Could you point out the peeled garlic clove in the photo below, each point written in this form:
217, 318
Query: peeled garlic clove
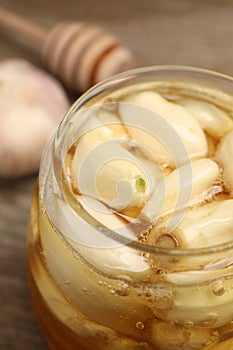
209, 225
215, 122
107, 115
110, 254
191, 278
169, 336
117, 261
93, 132
103, 169
149, 130
64, 264
210, 292
32, 103
224, 154
179, 188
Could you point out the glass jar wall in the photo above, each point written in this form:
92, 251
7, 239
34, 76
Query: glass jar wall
130, 242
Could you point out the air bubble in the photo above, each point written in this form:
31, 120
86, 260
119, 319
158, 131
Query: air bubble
140, 325
218, 288
139, 291
148, 292
188, 325
123, 289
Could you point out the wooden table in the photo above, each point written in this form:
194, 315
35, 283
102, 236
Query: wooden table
187, 32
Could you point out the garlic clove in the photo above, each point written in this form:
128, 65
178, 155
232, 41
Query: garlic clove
32, 103
114, 175
117, 261
109, 254
178, 189
214, 121
152, 131
208, 225
210, 292
224, 154
210, 285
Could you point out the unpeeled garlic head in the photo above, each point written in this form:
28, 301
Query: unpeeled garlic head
32, 103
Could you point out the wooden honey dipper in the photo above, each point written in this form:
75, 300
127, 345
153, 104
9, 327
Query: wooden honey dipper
78, 53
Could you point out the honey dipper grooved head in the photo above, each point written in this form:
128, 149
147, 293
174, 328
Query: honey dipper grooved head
81, 55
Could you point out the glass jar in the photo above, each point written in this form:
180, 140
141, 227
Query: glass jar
105, 275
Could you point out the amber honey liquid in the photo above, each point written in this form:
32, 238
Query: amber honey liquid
80, 307
65, 327
63, 324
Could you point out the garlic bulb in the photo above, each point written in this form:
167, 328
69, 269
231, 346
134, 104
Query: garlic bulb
32, 103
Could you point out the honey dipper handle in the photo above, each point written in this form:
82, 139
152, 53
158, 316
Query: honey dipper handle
21, 27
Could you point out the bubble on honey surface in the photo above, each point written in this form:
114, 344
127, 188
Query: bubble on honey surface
140, 325
123, 289
188, 325
75, 254
218, 288
139, 291
148, 292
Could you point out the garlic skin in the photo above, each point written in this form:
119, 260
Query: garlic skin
32, 103
146, 129
224, 154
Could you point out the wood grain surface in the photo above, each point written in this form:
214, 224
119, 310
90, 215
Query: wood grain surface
185, 32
